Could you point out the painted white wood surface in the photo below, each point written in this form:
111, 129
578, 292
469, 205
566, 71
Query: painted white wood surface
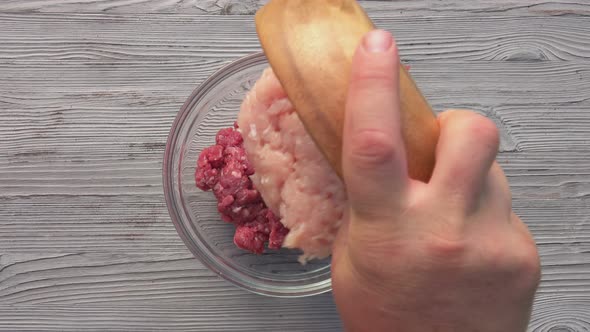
89, 89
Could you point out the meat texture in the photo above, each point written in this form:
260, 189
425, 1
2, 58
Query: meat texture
224, 169
295, 180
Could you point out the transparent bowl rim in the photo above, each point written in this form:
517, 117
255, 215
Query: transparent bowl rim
194, 244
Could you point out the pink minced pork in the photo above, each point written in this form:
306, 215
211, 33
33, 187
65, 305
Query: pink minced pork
292, 175
224, 169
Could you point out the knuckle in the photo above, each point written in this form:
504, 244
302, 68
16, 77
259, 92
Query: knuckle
527, 266
444, 241
485, 131
372, 148
475, 125
373, 78
375, 71
372, 81
446, 250
520, 265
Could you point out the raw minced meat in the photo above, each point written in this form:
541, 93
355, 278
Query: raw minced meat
224, 169
292, 175
271, 180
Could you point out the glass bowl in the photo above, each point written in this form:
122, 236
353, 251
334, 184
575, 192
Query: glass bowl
214, 105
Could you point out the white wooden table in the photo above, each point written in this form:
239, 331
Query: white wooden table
89, 89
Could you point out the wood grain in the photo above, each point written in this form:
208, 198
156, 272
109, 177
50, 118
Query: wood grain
148, 292
153, 279
248, 7
184, 41
87, 99
236, 318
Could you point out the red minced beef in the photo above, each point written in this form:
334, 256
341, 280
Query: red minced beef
224, 169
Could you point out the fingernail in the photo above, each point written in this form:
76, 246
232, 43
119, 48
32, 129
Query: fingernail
377, 41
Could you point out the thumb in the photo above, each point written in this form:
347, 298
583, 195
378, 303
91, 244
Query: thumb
374, 159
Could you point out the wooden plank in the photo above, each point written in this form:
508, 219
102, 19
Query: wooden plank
108, 279
76, 292
85, 223
268, 316
247, 7
188, 40
156, 279
555, 314
104, 291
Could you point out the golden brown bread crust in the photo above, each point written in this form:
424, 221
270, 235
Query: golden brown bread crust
310, 45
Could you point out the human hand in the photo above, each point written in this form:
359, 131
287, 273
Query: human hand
448, 255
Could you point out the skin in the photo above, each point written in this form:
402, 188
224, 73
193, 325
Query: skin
447, 255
